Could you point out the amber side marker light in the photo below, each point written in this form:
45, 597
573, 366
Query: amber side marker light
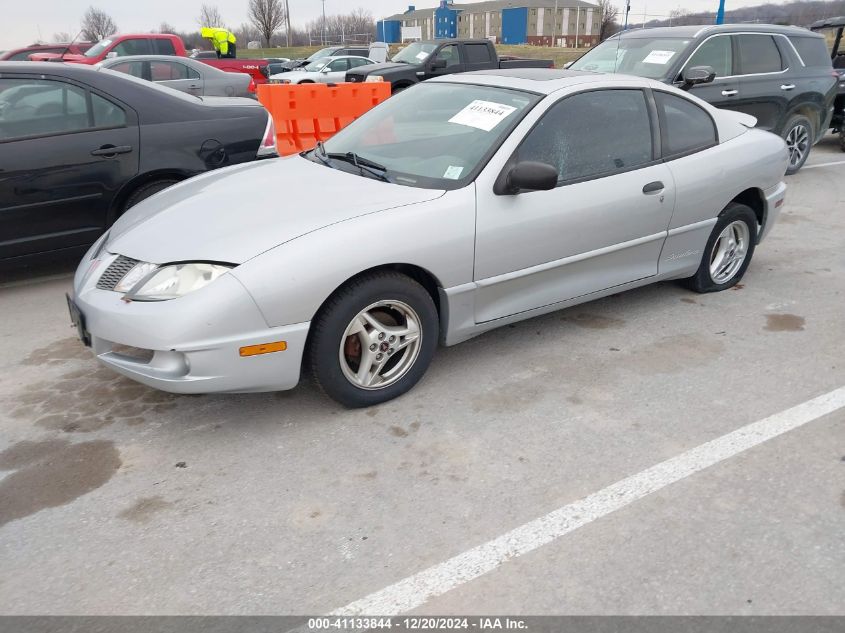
264, 348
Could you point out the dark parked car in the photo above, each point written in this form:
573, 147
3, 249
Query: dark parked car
423, 60
832, 30
780, 75
79, 146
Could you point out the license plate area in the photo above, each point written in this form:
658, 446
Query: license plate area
77, 319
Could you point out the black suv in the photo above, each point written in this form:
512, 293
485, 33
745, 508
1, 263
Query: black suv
780, 75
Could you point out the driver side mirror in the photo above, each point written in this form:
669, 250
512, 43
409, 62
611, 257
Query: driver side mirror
438, 64
698, 75
111, 55
527, 176
325, 69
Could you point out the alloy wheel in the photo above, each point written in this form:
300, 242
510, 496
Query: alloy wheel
380, 345
729, 252
798, 144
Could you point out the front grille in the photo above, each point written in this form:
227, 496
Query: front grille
115, 272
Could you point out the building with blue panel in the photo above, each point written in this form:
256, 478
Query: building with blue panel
515, 25
446, 21
566, 23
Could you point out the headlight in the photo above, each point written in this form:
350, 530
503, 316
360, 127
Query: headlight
374, 78
170, 281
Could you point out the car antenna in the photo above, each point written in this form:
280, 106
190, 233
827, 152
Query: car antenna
67, 48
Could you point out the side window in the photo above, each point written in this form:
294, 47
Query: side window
715, 52
812, 50
132, 47
168, 71
592, 134
758, 54
106, 114
685, 127
360, 61
339, 65
163, 47
136, 69
192, 74
39, 107
477, 53
450, 54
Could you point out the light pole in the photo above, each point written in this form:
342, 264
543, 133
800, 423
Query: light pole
324, 22
627, 11
720, 16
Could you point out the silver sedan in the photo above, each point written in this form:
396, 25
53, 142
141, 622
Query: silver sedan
463, 204
327, 70
183, 74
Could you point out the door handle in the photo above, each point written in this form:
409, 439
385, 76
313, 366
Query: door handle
653, 187
729, 93
787, 86
111, 150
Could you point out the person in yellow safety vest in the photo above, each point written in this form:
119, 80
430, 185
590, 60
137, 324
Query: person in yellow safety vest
222, 40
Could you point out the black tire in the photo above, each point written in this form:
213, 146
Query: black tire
330, 326
799, 134
703, 280
145, 191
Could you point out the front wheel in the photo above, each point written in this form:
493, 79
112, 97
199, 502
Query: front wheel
374, 339
728, 252
799, 135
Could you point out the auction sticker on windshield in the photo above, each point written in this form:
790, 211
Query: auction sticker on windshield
658, 57
484, 115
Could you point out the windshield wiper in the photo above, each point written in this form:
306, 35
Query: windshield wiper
364, 164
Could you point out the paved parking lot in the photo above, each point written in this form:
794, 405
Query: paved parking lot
117, 499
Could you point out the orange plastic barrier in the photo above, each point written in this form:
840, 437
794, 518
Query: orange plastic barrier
307, 113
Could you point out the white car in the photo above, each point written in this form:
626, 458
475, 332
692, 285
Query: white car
326, 70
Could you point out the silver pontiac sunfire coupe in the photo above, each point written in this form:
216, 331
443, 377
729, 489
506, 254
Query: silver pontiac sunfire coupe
461, 205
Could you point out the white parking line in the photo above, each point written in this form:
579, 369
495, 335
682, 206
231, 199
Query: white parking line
837, 162
415, 590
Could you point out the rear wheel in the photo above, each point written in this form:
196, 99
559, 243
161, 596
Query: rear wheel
145, 191
728, 252
374, 339
799, 135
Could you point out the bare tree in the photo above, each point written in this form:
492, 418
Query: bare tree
608, 18
210, 16
97, 25
62, 37
266, 16
166, 27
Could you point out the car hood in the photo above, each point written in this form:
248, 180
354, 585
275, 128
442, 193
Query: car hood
293, 75
375, 69
233, 214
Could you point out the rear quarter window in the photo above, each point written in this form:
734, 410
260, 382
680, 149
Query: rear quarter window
163, 47
477, 53
813, 50
684, 127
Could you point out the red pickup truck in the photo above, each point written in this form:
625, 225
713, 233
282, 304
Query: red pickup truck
155, 44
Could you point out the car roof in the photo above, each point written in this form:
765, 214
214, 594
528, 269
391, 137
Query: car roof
829, 22
48, 68
540, 80
694, 31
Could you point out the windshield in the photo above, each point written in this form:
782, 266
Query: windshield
314, 67
323, 52
415, 53
434, 135
641, 56
98, 48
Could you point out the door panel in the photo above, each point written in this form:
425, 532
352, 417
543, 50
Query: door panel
763, 72
54, 193
539, 248
717, 52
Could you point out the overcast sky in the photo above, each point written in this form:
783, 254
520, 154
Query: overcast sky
25, 22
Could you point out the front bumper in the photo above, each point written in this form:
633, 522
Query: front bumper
191, 344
